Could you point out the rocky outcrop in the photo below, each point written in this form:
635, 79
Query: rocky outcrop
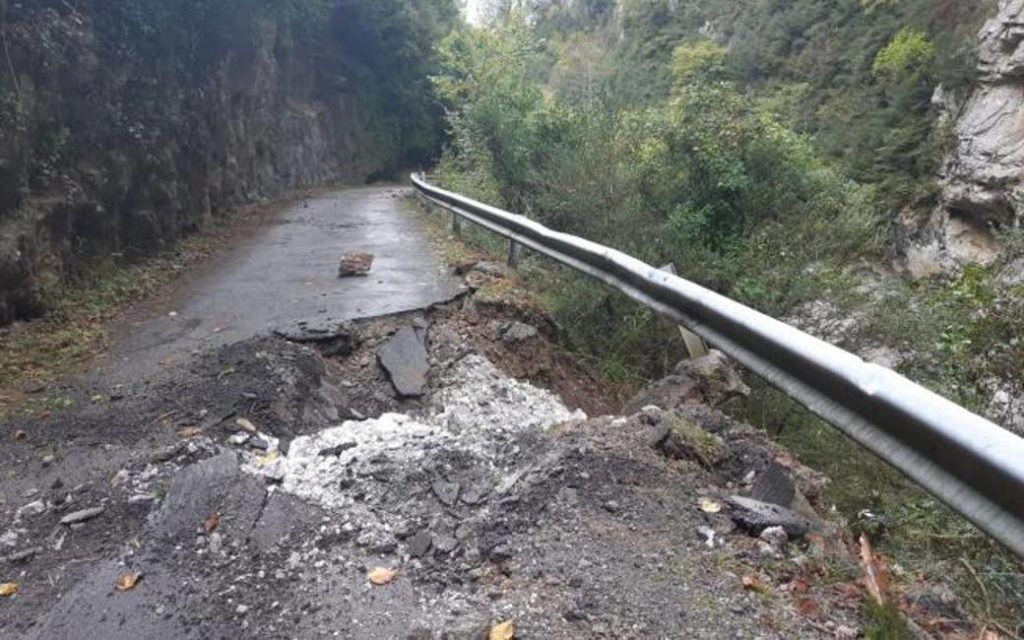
983, 179
120, 132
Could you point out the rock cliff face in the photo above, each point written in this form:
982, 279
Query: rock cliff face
983, 179
117, 137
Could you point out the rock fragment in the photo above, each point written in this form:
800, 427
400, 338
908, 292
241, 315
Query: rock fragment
755, 516
680, 439
355, 263
446, 492
518, 332
81, 516
420, 544
773, 485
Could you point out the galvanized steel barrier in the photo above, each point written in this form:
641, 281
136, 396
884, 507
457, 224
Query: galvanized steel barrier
967, 462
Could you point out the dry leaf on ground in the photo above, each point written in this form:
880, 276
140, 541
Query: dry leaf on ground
20, 435
504, 631
211, 523
190, 432
127, 581
382, 576
707, 505
808, 608
875, 578
753, 583
246, 425
8, 589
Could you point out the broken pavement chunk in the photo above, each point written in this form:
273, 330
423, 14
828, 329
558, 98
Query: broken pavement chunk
355, 263
755, 516
404, 357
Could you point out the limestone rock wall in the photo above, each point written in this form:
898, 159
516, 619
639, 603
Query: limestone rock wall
983, 179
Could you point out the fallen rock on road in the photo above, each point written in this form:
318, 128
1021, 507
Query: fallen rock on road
355, 263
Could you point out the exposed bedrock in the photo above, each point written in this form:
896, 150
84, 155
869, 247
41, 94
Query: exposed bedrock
983, 178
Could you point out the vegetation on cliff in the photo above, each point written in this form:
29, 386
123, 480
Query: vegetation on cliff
766, 149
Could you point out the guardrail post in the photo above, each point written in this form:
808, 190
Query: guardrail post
515, 252
456, 224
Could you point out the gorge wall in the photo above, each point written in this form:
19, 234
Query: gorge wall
124, 125
982, 180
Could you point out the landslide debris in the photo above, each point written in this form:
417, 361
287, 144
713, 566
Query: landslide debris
291, 490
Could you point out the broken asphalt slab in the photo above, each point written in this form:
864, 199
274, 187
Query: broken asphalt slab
404, 357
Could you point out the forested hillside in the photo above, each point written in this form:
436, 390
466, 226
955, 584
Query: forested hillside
811, 158
124, 125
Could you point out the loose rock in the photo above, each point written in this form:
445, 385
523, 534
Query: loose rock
756, 516
355, 263
81, 516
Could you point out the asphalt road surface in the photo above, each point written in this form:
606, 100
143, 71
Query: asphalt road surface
288, 274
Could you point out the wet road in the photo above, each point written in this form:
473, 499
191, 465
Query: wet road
287, 274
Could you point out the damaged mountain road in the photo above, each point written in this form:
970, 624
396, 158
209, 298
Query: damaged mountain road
261, 506
424, 474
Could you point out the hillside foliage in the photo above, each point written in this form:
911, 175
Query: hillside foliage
765, 148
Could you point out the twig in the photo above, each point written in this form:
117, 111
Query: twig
984, 590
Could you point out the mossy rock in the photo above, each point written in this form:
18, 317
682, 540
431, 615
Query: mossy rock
686, 441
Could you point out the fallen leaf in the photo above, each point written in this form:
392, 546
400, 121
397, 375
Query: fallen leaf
218, 329
753, 583
20, 435
808, 608
504, 631
190, 432
127, 581
211, 523
875, 578
799, 586
8, 589
245, 425
707, 505
382, 576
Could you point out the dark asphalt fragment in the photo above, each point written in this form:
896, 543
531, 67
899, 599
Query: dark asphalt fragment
404, 357
755, 516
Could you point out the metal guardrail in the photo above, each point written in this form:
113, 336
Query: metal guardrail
967, 462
